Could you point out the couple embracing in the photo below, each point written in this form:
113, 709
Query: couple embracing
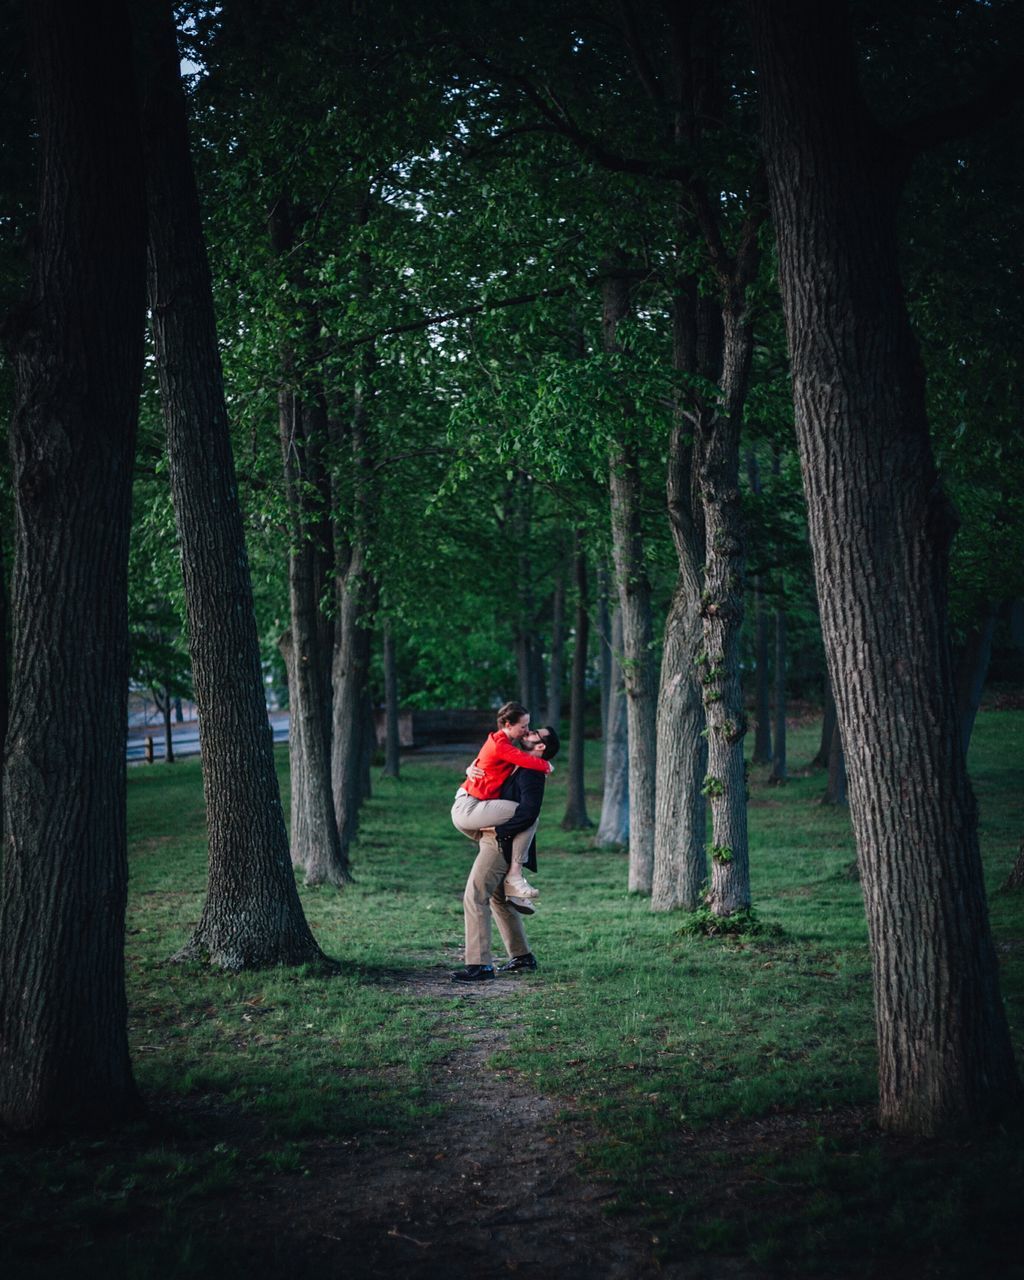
499, 805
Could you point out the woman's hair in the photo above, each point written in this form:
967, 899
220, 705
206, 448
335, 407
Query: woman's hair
551, 742
511, 713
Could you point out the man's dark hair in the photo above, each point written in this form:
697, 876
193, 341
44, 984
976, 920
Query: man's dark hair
511, 713
551, 741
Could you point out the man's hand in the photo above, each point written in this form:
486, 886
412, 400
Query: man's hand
475, 772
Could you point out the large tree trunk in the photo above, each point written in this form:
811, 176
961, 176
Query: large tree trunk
726, 783
635, 604
252, 915
613, 826
77, 354
680, 855
880, 529
576, 802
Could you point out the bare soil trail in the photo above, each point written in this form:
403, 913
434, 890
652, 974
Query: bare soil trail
490, 1188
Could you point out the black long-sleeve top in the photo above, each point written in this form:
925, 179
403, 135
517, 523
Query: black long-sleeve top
526, 788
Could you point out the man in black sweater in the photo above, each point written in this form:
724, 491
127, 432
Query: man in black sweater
484, 898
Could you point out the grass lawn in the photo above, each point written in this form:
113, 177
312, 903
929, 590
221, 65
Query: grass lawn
729, 1083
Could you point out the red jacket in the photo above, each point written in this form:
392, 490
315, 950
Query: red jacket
498, 757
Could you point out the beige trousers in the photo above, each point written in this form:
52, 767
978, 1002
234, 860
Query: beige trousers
484, 900
470, 814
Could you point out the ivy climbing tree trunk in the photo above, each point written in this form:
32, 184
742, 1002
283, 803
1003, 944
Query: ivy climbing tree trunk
722, 611
76, 347
635, 605
880, 529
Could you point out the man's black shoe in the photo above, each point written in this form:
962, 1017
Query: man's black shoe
519, 964
473, 973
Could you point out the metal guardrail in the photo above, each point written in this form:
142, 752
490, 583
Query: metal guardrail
147, 745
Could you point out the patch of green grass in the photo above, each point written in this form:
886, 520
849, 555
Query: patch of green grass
730, 1080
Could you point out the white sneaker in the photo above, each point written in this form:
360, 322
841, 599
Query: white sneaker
520, 887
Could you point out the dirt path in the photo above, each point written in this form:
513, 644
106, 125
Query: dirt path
489, 1189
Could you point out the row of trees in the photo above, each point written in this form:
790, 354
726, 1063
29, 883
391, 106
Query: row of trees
501, 344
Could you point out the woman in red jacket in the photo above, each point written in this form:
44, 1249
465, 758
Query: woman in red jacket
477, 806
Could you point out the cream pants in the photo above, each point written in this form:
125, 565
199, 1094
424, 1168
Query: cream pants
484, 900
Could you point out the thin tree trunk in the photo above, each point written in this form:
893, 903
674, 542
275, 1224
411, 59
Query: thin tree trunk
355, 606
972, 670
604, 649
576, 804
168, 730
762, 705
635, 604
553, 713
613, 827
828, 725
835, 791
778, 776
77, 355
321, 853
880, 529
297, 786
392, 746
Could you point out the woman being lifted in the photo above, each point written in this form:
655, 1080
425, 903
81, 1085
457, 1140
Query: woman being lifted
477, 806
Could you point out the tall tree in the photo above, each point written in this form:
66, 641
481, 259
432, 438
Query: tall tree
77, 351
252, 915
880, 529
634, 604
576, 799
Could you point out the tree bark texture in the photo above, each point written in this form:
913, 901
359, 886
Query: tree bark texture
252, 915
392, 746
722, 611
680, 825
76, 347
576, 802
321, 853
355, 608
635, 605
880, 529
613, 826
297, 824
